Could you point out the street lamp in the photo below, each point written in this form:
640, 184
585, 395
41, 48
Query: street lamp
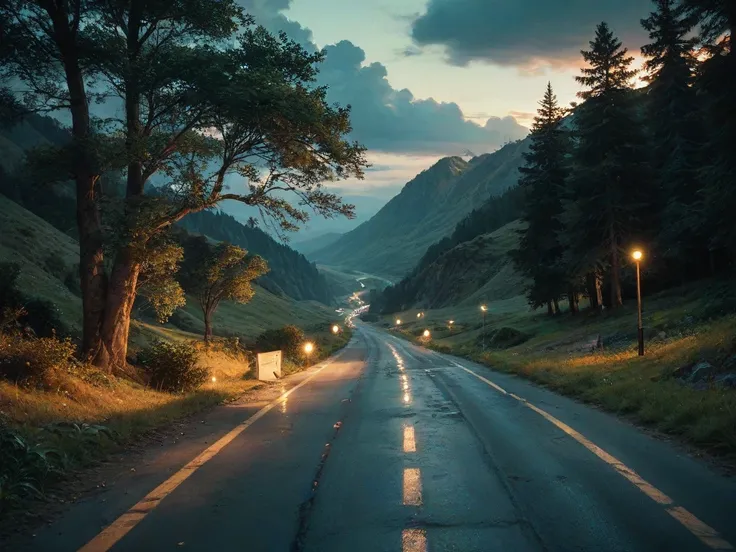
335, 329
419, 315
426, 334
483, 309
637, 256
398, 321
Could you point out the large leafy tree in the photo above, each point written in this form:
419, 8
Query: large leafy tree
42, 48
216, 273
676, 132
206, 100
609, 185
544, 174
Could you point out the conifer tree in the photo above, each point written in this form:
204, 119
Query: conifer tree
676, 132
543, 178
609, 185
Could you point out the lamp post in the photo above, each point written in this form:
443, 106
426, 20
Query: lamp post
483, 309
637, 255
335, 329
308, 348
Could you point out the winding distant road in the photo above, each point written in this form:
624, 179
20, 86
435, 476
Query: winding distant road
391, 447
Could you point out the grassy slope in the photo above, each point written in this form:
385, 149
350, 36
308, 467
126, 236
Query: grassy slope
31, 241
682, 326
383, 246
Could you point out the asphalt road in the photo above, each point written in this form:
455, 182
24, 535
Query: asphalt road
395, 448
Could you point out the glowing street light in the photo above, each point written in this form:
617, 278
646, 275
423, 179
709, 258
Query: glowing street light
419, 315
308, 347
398, 321
335, 329
214, 379
426, 334
483, 309
637, 256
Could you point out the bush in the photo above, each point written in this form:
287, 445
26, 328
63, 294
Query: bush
288, 339
172, 367
43, 317
30, 362
9, 294
503, 338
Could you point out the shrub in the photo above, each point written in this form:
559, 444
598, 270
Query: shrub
288, 339
30, 362
43, 317
9, 294
503, 338
172, 367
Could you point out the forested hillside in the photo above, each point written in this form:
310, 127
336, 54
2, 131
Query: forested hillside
290, 272
645, 169
426, 210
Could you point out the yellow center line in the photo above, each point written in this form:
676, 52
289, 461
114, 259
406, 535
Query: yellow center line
410, 444
709, 536
414, 540
109, 536
412, 487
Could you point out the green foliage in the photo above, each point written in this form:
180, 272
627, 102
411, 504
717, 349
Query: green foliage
31, 361
544, 176
288, 339
157, 283
222, 272
290, 272
9, 294
609, 192
56, 265
172, 367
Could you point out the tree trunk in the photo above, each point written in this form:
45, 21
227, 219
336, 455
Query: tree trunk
116, 324
591, 288
93, 281
549, 308
557, 306
572, 300
615, 269
207, 325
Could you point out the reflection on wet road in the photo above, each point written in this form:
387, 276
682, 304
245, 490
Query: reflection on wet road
396, 448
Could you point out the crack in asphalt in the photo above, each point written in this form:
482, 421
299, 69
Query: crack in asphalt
306, 507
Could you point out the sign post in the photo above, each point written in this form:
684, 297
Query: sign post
269, 366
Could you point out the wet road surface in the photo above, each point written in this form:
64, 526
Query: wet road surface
391, 447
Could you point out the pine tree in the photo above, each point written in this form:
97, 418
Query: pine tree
609, 187
543, 178
716, 85
676, 132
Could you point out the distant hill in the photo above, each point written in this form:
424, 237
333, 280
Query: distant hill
310, 245
290, 272
426, 210
49, 261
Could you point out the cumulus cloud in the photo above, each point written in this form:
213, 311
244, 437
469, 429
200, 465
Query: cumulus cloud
384, 118
530, 34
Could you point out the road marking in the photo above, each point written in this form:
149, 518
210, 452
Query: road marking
412, 487
410, 444
414, 540
109, 536
709, 536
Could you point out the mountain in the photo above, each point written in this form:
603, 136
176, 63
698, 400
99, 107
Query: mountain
290, 272
310, 245
425, 211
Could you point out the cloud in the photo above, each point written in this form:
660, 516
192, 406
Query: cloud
530, 34
384, 118
387, 119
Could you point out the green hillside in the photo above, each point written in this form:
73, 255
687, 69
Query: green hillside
426, 210
48, 259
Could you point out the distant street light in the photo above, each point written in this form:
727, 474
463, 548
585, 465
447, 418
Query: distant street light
419, 315
450, 323
483, 309
638, 255
426, 333
335, 329
308, 347
398, 321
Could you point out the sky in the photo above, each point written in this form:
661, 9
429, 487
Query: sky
432, 78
